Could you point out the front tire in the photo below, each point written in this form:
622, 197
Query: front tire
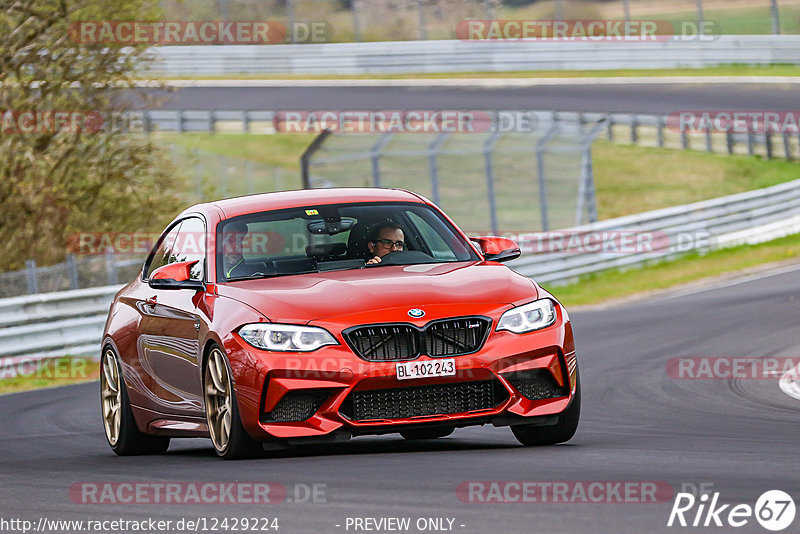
118, 422
564, 430
228, 436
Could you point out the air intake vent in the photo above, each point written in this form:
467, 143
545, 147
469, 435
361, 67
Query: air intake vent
536, 384
438, 399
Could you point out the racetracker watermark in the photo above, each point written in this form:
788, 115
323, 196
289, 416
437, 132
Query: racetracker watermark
38, 122
192, 32
726, 368
586, 30
198, 492
564, 492
49, 368
406, 121
606, 241
734, 121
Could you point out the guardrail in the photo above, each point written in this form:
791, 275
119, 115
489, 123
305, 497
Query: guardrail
469, 56
51, 325
636, 128
47, 326
751, 217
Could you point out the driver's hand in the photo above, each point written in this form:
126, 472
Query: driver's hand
376, 259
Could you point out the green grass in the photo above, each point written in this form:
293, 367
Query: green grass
628, 179
273, 150
721, 70
600, 287
747, 21
632, 179
50, 373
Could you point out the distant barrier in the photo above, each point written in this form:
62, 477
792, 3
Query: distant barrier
470, 56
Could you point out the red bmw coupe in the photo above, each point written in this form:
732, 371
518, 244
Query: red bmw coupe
308, 316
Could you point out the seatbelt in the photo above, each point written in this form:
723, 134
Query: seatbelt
229, 271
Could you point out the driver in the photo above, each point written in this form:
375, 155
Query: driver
233, 260
387, 237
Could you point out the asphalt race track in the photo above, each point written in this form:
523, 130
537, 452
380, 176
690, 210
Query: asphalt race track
650, 98
638, 424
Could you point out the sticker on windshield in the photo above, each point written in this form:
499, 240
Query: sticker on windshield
312, 212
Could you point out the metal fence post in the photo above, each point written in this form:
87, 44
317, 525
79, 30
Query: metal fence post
488, 148
375, 155
111, 268
586, 193
787, 147
776, 17
147, 122
684, 140
609, 127
634, 129
72, 271
305, 158
750, 147
30, 276
290, 16
212, 123
731, 142
627, 9
179, 120
540, 173
559, 13
423, 34
768, 143
709, 143
433, 151
356, 25
700, 16
487, 9
660, 130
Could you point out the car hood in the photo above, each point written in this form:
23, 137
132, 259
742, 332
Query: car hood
471, 288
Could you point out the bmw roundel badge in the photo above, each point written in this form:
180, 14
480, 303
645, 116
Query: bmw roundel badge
416, 313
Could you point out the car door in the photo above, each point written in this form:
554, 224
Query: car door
168, 346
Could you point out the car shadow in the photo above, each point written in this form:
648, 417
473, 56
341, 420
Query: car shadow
359, 446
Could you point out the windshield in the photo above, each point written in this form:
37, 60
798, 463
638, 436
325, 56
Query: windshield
335, 237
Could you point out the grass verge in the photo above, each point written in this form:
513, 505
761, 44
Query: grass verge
616, 284
49, 373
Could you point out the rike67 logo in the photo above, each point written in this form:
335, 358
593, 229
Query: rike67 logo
774, 510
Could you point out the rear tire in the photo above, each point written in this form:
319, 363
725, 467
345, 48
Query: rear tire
564, 430
231, 441
118, 422
428, 433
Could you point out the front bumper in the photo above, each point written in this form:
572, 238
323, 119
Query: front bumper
513, 379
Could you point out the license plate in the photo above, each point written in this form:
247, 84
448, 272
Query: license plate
410, 370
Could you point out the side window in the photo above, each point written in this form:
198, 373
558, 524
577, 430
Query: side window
438, 246
164, 251
190, 245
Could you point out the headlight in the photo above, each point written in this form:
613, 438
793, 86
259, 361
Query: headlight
286, 337
528, 317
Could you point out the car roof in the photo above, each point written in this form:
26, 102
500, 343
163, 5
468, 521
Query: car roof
233, 207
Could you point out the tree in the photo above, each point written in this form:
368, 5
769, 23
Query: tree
86, 174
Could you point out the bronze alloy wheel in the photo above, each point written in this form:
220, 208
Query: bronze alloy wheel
219, 400
111, 397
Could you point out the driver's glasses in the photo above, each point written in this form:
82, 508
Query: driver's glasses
388, 243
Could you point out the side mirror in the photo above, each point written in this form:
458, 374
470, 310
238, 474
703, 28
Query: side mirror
176, 276
497, 248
